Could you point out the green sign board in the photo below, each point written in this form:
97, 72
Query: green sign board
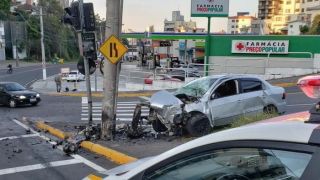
209, 8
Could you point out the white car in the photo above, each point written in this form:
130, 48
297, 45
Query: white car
268, 151
75, 76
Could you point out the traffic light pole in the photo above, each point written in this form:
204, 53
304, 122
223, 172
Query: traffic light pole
113, 27
86, 67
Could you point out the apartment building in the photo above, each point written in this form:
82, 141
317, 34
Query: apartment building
178, 24
277, 13
241, 24
310, 8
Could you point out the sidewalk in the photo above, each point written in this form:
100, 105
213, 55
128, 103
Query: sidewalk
131, 80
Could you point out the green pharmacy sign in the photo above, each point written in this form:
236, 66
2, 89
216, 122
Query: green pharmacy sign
209, 8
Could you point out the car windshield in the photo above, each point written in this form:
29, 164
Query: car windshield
14, 87
197, 88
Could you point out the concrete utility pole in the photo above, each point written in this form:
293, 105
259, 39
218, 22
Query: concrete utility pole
43, 54
113, 27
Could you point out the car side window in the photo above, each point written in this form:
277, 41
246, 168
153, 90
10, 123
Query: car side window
236, 163
250, 86
228, 88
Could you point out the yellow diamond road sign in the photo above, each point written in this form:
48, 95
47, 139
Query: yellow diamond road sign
113, 49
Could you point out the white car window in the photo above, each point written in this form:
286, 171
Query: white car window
237, 163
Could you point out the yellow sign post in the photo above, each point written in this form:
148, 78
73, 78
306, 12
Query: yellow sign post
113, 49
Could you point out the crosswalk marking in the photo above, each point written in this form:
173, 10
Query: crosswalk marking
125, 110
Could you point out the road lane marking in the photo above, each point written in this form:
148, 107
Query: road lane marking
39, 166
295, 93
89, 163
77, 157
18, 137
24, 126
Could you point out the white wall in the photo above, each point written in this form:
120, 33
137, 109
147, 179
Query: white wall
294, 27
269, 68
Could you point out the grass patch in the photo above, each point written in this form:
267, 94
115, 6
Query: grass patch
244, 120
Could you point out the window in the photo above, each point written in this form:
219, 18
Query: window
288, 10
236, 163
228, 88
250, 85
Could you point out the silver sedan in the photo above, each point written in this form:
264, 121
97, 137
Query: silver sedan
214, 101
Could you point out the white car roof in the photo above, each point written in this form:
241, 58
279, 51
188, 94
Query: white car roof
293, 131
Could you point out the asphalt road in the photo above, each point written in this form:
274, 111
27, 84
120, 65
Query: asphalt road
37, 153
26, 75
27, 155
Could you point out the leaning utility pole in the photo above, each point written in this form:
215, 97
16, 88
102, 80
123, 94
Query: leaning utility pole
110, 73
43, 54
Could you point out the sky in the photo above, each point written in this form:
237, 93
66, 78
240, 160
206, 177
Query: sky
140, 14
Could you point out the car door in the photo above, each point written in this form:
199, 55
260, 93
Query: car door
241, 160
251, 90
3, 95
225, 103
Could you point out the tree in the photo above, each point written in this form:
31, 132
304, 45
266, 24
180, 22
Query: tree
304, 29
315, 27
58, 38
4, 9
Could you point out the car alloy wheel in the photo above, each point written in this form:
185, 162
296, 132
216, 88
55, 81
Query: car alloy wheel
270, 109
12, 104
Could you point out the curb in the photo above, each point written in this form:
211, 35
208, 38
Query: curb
53, 131
110, 154
285, 85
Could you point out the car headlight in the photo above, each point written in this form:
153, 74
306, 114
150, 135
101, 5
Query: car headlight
38, 95
22, 97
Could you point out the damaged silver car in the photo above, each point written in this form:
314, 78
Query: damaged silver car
213, 101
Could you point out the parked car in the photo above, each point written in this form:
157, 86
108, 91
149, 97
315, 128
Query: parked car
149, 79
214, 101
13, 94
271, 151
75, 76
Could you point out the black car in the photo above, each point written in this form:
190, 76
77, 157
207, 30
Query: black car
13, 94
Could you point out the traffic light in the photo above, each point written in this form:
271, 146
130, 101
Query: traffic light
72, 16
89, 18
89, 45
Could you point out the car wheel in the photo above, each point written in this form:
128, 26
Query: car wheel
270, 109
198, 125
12, 103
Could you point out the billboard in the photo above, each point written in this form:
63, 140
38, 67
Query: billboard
260, 47
209, 8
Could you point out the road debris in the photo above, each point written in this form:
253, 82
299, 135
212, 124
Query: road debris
17, 150
28, 131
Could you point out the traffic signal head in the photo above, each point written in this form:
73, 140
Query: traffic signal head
89, 17
72, 16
